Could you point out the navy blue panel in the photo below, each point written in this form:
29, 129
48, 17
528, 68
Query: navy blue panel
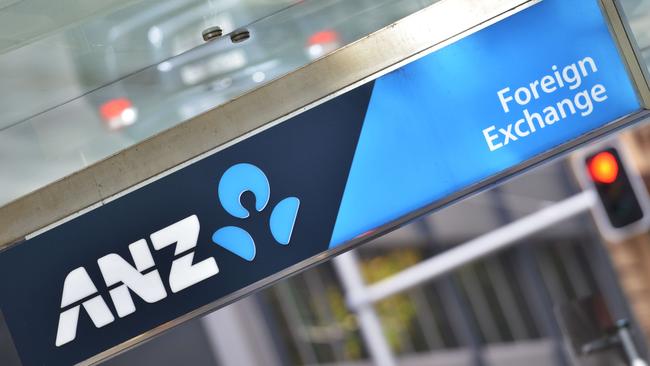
307, 157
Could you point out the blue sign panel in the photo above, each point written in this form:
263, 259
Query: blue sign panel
486, 104
480, 106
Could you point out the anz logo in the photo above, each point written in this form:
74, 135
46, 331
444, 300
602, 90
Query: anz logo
122, 279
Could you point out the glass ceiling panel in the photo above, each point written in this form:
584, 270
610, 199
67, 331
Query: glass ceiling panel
82, 83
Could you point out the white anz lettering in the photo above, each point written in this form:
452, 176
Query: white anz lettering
79, 289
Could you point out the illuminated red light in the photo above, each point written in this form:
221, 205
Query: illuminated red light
603, 168
114, 108
322, 37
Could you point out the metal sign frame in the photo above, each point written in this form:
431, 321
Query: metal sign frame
622, 33
377, 54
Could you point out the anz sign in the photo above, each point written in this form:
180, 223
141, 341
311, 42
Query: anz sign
144, 280
365, 161
186, 243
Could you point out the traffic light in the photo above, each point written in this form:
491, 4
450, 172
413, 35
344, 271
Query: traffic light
617, 195
622, 203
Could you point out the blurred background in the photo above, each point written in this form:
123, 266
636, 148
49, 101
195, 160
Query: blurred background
82, 80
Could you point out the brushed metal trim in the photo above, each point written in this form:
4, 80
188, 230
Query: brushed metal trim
628, 49
412, 37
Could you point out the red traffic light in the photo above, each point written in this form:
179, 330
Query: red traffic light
622, 199
603, 167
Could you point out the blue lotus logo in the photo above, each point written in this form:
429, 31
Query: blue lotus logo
242, 178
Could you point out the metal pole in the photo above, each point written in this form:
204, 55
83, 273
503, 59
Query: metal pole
472, 250
463, 324
347, 267
536, 294
628, 344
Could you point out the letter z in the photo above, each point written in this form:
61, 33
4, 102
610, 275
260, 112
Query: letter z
183, 273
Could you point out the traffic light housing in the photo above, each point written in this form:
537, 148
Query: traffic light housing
614, 188
622, 205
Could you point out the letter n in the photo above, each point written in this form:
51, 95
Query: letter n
118, 271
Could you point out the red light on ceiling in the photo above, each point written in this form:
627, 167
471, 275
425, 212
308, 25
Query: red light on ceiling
603, 167
114, 108
322, 37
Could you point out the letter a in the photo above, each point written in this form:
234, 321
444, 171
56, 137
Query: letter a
76, 287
